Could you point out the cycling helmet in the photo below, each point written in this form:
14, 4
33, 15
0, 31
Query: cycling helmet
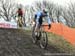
19, 8
45, 10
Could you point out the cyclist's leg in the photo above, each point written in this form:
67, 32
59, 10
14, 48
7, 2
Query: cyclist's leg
38, 25
33, 29
37, 31
36, 28
18, 21
19, 18
22, 19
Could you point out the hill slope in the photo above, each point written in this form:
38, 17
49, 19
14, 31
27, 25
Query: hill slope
63, 30
19, 43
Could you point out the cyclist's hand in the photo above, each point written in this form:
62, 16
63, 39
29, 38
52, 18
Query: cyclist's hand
49, 26
32, 23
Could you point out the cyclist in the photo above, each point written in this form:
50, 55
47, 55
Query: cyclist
38, 19
20, 12
20, 15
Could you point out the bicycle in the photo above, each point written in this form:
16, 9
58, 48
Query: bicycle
41, 37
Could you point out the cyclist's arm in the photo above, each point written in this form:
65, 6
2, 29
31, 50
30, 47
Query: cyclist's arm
49, 22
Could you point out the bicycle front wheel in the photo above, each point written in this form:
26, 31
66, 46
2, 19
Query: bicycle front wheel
43, 40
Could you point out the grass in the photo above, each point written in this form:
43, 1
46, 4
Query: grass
60, 43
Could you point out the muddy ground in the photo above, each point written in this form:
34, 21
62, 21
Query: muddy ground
19, 43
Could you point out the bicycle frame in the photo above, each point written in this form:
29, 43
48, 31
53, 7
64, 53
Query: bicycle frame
41, 36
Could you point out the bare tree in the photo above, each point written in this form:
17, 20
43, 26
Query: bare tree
29, 14
69, 14
7, 9
58, 12
50, 6
65, 15
38, 5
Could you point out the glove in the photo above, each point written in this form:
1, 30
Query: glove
49, 26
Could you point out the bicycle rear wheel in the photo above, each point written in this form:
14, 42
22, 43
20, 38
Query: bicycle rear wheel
43, 40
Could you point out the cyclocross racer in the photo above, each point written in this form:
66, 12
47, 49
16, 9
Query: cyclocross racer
39, 19
20, 16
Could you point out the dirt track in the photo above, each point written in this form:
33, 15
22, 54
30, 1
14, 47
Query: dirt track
18, 43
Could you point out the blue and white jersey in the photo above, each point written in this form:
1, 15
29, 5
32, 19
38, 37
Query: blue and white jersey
40, 14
